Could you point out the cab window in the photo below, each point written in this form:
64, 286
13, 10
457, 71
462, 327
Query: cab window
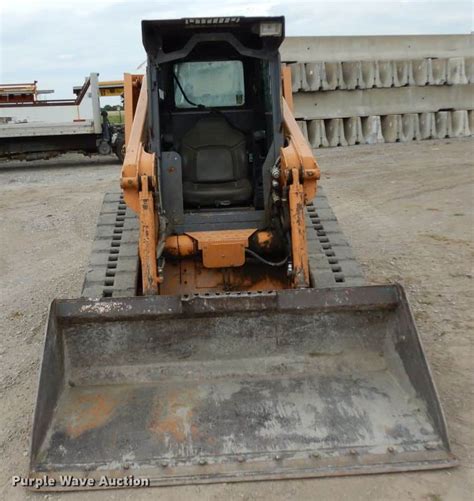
209, 83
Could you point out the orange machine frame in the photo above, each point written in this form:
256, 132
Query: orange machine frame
220, 249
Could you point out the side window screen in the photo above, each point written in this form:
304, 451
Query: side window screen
210, 83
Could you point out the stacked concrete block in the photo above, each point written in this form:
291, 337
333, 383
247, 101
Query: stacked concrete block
389, 128
353, 131
332, 76
351, 75
443, 125
401, 73
456, 71
356, 90
385, 73
427, 125
335, 132
372, 130
370, 76
439, 71
297, 77
317, 134
401, 128
321, 75
410, 127
391, 125
460, 123
420, 72
315, 73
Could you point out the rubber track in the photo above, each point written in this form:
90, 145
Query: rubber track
331, 260
114, 264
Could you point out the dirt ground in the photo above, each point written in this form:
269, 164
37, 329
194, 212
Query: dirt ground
408, 210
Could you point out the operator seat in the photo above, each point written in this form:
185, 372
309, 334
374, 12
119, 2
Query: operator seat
215, 164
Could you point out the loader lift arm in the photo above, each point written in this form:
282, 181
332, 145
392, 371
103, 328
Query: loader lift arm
300, 171
138, 182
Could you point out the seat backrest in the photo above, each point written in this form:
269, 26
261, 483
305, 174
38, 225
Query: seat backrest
214, 152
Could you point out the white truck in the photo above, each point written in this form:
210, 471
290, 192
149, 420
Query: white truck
31, 128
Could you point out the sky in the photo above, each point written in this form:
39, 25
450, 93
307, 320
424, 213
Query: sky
58, 43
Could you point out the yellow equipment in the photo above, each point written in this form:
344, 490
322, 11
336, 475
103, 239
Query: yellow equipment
226, 332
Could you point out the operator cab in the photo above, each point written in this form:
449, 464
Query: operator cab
212, 116
215, 99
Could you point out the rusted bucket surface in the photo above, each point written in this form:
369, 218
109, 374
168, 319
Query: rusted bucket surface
231, 387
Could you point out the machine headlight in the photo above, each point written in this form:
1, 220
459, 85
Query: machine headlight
270, 29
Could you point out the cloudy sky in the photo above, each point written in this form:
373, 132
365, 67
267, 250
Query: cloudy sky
59, 42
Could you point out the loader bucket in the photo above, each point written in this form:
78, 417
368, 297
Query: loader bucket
235, 386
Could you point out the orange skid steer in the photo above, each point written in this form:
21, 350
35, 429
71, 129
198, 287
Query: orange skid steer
225, 331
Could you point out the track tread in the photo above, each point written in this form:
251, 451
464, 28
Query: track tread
331, 258
113, 264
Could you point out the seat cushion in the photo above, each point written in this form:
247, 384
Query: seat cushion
215, 164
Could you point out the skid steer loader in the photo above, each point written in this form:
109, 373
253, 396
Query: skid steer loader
226, 332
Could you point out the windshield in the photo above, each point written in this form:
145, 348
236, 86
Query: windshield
210, 83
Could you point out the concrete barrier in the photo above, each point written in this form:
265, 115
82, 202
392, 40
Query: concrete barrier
427, 125
388, 128
354, 90
396, 100
324, 75
363, 48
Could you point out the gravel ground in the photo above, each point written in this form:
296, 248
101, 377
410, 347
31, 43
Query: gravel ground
408, 210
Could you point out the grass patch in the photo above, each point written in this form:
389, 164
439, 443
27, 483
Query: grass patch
116, 117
